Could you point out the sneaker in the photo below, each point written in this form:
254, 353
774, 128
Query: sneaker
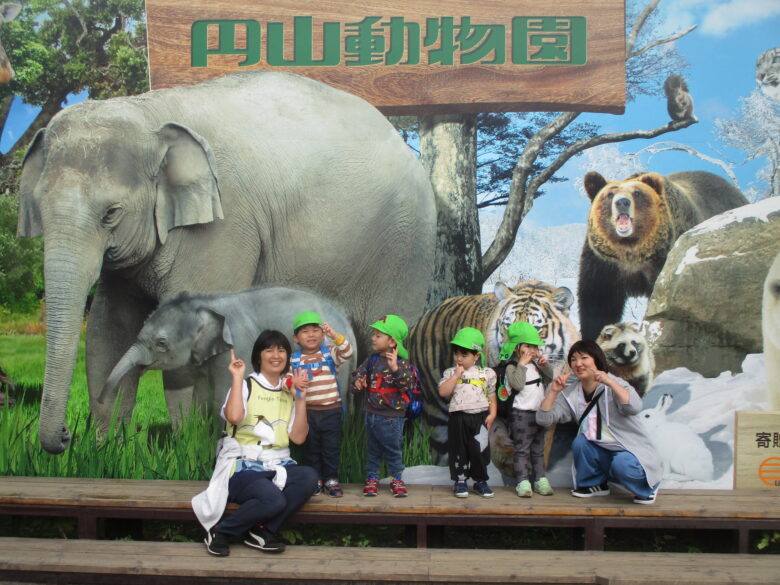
398, 488
318, 489
590, 491
542, 487
370, 487
265, 541
217, 543
333, 489
645, 499
523, 489
460, 489
483, 489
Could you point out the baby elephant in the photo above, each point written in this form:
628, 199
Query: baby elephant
193, 335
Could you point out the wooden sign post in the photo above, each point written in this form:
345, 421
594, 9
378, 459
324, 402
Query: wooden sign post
406, 56
757, 450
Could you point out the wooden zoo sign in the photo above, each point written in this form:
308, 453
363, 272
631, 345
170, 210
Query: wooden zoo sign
406, 56
757, 450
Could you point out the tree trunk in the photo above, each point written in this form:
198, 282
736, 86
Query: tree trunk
448, 152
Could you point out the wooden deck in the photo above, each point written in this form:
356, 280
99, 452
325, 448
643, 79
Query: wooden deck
90, 499
85, 562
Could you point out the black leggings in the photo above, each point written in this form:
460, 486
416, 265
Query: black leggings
261, 502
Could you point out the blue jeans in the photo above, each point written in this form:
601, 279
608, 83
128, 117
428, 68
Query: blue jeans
385, 437
595, 465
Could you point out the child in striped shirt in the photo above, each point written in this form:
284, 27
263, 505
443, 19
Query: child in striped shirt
324, 407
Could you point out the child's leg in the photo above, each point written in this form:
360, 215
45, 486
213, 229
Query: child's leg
477, 445
373, 444
456, 447
522, 437
391, 432
537, 449
330, 435
312, 448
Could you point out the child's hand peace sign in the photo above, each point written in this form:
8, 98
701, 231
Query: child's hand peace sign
236, 366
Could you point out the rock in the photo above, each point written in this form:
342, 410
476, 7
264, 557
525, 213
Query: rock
706, 305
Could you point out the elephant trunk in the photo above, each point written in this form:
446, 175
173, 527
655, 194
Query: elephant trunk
137, 356
69, 273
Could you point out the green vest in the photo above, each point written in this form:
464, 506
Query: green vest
274, 407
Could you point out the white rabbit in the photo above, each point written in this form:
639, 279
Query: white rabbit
684, 456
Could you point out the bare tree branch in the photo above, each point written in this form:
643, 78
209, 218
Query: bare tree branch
658, 42
667, 146
518, 203
638, 25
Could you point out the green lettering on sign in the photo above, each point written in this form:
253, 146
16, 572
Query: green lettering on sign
226, 41
549, 40
303, 45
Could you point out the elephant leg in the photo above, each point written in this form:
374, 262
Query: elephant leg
180, 388
115, 318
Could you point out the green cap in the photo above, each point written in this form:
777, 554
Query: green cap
470, 338
306, 318
396, 328
519, 332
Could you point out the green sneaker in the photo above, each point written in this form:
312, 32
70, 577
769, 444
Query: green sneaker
523, 489
542, 487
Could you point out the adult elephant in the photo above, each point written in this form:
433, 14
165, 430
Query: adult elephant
252, 178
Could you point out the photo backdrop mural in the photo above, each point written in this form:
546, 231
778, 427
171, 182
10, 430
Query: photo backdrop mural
510, 207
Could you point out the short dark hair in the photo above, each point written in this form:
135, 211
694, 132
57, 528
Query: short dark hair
591, 348
270, 338
462, 349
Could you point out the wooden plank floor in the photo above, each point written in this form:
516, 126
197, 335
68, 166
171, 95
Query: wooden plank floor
422, 500
125, 562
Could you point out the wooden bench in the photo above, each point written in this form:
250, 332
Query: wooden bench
89, 500
83, 562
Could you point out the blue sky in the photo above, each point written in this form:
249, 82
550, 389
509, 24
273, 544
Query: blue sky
722, 52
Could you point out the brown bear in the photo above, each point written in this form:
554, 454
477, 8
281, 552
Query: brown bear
632, 225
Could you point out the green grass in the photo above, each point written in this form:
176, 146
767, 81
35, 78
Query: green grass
145, 447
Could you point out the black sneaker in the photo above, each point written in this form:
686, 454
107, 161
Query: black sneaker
217, 543
264, 540
645, 499
589, 492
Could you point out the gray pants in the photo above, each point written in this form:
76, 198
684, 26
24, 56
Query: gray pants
528, 439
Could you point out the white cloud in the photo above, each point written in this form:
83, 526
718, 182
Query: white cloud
716, 18
726, 17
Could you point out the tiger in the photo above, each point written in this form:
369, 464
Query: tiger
545, 306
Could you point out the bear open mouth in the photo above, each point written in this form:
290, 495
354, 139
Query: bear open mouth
624, 225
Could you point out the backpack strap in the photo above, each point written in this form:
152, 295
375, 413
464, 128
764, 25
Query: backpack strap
593, 402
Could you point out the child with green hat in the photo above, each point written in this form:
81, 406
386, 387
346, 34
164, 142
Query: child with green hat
324, 406
386, 377
526, 376
472, 393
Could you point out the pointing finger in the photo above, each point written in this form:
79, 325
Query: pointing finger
232, 355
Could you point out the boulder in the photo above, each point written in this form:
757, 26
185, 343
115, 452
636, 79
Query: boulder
705, 309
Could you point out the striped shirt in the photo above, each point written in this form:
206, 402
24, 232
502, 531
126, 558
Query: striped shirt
323, 392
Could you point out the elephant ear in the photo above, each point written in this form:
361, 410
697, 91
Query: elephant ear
29, 224
213, 336
187, 183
